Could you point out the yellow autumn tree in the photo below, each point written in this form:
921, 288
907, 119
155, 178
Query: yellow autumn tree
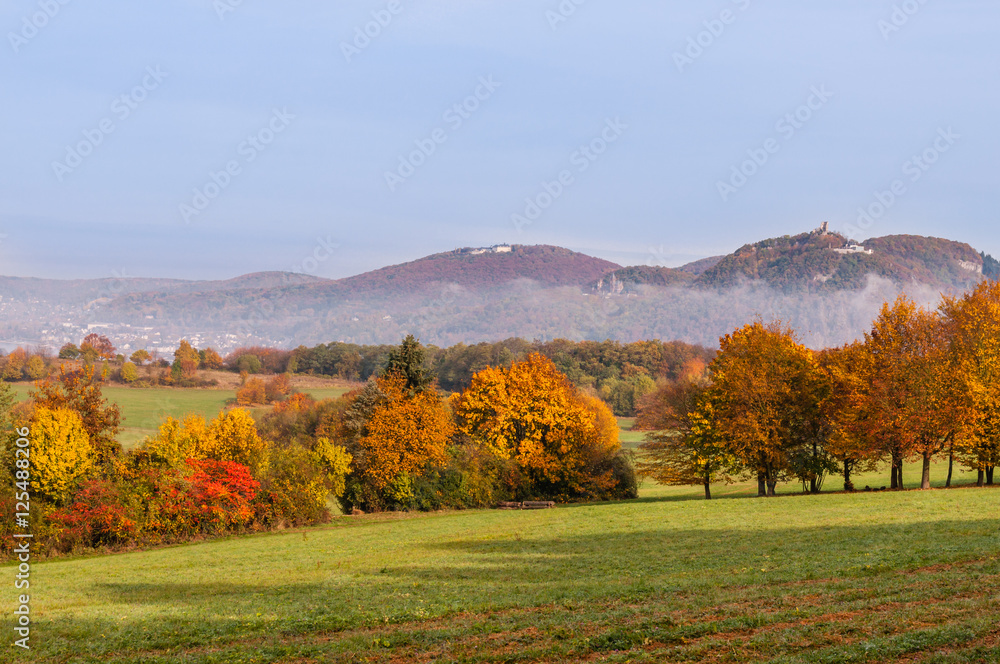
233, 436
405, 433
61, 454
335, 462
532, 415
178, 441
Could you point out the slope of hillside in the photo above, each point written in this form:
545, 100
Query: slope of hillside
701, 266
546, 265
629, 279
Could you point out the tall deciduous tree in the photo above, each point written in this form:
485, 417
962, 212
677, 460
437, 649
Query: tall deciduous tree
685, 448
846, 373
904, 410
186, 359
765, 395
974, 325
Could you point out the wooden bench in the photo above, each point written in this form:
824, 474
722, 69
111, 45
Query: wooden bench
528, 505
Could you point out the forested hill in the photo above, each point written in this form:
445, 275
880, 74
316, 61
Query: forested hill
810, 262
545, 265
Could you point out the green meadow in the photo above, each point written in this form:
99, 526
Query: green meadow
866, 577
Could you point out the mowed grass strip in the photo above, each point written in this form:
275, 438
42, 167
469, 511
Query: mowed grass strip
835, 578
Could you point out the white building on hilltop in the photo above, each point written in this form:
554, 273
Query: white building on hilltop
853, 249
495, 249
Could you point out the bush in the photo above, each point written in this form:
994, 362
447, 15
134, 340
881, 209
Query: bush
294, 492
97, 517
129, 373
252, 392
277, 388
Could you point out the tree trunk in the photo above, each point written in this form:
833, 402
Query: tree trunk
925, 480
708, 489
899, 474
771, 485
989, 476
848, 484
951, 466
894, 481
761, 484
982, 477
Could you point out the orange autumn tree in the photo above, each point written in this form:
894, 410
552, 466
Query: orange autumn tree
904, 408
402, 434
973, 322
765, 395
561, 440
846, 374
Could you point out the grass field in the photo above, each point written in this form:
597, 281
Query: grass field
882, 577
630, 439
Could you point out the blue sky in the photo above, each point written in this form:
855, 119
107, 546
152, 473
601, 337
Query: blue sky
310, 128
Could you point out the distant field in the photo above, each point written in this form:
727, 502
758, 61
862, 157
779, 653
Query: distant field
319, 393
144, 409
886, 577
629, 438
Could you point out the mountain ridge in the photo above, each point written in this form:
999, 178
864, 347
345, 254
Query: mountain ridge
536, 292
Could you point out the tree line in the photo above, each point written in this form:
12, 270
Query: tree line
619, 373
922, 384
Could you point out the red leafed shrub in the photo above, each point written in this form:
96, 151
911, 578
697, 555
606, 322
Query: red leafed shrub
221, 492
96, 517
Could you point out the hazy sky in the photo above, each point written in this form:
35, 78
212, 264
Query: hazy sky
119, 121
